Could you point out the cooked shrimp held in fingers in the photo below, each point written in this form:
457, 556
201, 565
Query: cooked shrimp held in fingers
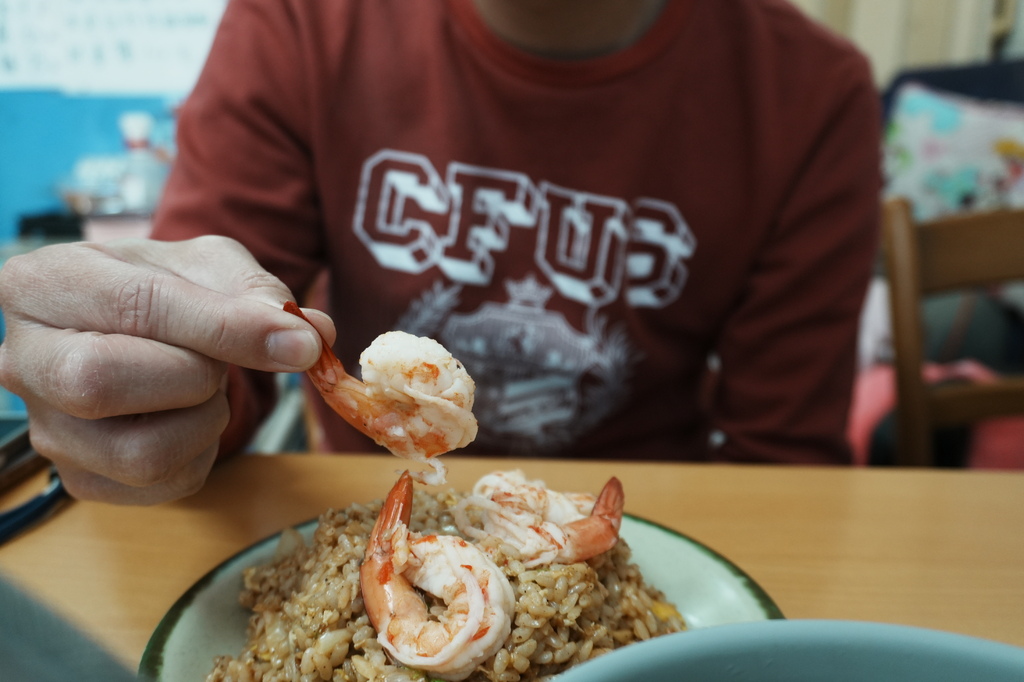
479, 601
544, 526
414, 399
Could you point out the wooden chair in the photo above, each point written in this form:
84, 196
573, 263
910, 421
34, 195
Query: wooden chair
922, 258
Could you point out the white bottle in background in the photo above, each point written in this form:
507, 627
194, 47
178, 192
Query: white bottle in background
144, 173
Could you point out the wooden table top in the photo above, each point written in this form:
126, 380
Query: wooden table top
932, 548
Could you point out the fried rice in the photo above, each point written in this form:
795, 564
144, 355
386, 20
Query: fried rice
308, 623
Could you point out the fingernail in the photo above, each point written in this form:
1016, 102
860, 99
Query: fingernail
293, 348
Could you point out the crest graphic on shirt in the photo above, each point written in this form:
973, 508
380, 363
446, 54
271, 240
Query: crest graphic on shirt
541, 384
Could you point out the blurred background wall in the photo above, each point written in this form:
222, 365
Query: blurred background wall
69, 69
906, 34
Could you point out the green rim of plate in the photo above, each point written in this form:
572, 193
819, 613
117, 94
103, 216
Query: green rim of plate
152, 661
771, 609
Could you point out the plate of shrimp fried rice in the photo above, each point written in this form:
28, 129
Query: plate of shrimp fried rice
292, 608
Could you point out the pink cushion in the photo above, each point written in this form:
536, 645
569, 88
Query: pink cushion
995, 444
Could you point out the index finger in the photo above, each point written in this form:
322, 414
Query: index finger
208, 295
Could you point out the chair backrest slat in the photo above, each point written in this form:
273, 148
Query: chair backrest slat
968, 251
962, 404
961, 252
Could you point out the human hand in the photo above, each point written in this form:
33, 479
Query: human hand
120, 352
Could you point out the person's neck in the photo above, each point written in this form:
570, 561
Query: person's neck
569, 29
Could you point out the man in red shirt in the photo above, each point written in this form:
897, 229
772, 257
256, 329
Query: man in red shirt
583, 201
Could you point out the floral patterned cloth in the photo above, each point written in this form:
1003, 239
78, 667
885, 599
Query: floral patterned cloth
949, 153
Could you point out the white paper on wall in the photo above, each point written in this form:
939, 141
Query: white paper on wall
105, 47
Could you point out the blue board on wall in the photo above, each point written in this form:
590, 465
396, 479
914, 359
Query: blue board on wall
43, 134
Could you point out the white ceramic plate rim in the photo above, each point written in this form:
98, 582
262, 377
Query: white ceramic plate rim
206, 620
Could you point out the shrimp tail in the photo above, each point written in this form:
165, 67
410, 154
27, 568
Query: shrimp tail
397, 510
376, 572
598, 532
610, 503
343, 392
328, 364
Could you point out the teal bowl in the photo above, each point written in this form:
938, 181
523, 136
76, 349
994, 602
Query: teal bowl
808, 651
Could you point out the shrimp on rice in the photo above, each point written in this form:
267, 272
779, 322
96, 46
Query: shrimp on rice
543, 526
479, 600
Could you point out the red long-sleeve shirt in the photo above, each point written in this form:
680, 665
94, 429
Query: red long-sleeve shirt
582, 235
